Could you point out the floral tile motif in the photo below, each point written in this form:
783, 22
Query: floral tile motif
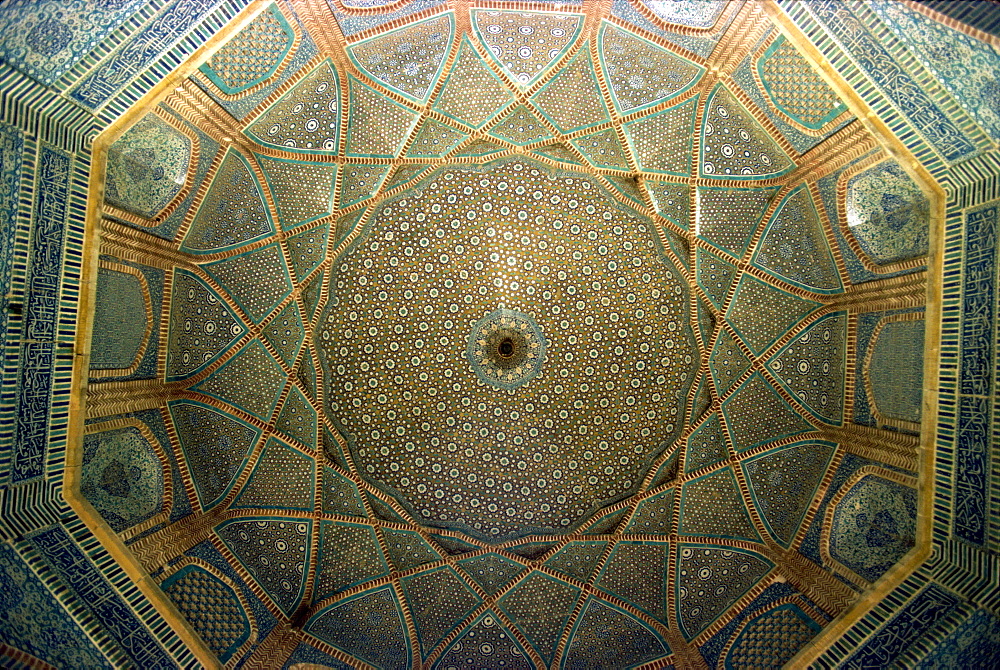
887, 213
45, 39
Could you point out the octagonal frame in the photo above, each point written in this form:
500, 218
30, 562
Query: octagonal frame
878, 129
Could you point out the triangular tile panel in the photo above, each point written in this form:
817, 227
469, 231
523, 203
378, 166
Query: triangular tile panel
407, 60
710, 580
783, 483
795, 88
306, 118
680, 246
472, 93
811, 367
202, 326
667, 472
795, 248
453, 545
639, 73
491, 571
434, 139
346, 224
305, 375
572, 100
634, 643
306, 250
311, 294
756, 415
233, 210
711, 505
734, 145
215, 446
353, 624
520, 127
532, 551
438, 601
628, 187
702, 14
480, 148
257, 280
298, 419
761, 313
282, 479
653, 516
728, 362
302, 191
577, 559
340, 495
526, 44
361, 181
702, 399
404, 174
485, 644
672, 201
540, 607
377, 126
251, 380
349, 555
706, 445
407, 549
714, 276
728, 217
606, 523
307, 653
662, 141
706, 321
333, 451
275, 552
559, 152
285, 333
602, 149
636, 572
383, 510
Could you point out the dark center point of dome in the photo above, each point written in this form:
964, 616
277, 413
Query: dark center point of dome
506, 348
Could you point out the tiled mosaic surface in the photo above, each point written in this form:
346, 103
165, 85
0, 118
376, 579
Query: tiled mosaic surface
256, 329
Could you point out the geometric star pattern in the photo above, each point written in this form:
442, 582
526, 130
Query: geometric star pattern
654, 173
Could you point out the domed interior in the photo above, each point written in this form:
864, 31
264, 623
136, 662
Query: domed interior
510, 336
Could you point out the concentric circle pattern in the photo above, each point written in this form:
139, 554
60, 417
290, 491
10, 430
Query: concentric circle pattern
534, 447
506, 349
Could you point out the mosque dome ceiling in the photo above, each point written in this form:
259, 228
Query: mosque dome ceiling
509, 335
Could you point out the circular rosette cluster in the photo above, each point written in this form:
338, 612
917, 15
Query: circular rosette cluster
506, 349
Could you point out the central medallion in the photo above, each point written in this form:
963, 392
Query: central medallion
506, 349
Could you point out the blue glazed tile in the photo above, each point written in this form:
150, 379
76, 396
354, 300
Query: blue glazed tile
141, 49
966, 67
51, 205
64, 557
44, 38
975, 643
11, 155
972, 468
979, 259
908, 625
907, 95
120, 324
31, 619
